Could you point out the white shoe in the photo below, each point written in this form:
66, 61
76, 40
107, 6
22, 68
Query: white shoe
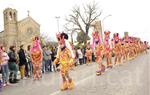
24, 78
7, 84
4, 84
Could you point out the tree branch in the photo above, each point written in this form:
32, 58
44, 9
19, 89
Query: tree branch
95, 17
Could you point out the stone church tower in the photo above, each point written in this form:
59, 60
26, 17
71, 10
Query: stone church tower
18, 32
10, 27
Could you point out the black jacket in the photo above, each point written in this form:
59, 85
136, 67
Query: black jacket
12, 57
22, 57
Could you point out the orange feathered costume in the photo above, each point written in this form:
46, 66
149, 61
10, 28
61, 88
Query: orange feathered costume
108, 54
98, 52
64, 58
36, 57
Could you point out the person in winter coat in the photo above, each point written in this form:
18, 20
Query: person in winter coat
4, 66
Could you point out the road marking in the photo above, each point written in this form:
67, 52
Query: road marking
55, 93
77, 83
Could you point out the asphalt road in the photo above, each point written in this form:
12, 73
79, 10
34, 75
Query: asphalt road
131, 78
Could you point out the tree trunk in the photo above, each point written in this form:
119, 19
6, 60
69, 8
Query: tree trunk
86, 31
71, 38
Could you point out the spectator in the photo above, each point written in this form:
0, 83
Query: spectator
47, 58
56, 49
30, 72
4, 66
1, 84
12, 64
22, 62
76, 58
43, 61
80, 55
84, 57
53, 58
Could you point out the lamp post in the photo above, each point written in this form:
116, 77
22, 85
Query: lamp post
57, 18
102, 21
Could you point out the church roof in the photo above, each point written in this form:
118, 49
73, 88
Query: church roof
30, 18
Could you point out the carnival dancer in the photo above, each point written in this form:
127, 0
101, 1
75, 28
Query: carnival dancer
145, 46
117, 49
131, 50
108, 54
135, 46
142, 47
126, 45
123, 51
88, 53
138, 46
36, 58
98, 52
68, 45
64, 58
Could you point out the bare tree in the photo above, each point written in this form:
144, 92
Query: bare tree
83, 17
70, 30
44, 39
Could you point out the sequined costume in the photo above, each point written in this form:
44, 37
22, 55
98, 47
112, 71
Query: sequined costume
123, 50
88, 53
108, 54
126, 45
36, 57
64, 58
98, 52
117, 48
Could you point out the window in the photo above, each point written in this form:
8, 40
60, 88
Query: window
30, 31
14, 16
10, 16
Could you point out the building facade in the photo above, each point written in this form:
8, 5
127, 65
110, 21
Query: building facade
98, 27
18, 32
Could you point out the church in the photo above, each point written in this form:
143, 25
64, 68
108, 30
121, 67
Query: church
18, 32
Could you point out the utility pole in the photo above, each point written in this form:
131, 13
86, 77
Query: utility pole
102, 21
57, 18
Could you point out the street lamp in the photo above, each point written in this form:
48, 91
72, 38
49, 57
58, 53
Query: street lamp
102, 21
57, 18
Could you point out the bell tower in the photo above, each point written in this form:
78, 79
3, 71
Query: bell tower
10, 26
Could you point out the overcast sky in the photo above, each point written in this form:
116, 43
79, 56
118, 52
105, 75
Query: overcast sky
127, 15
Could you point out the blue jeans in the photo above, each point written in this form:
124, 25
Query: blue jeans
1, 85
48, 65
5, 73
30, 68
84, 59
43, 66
